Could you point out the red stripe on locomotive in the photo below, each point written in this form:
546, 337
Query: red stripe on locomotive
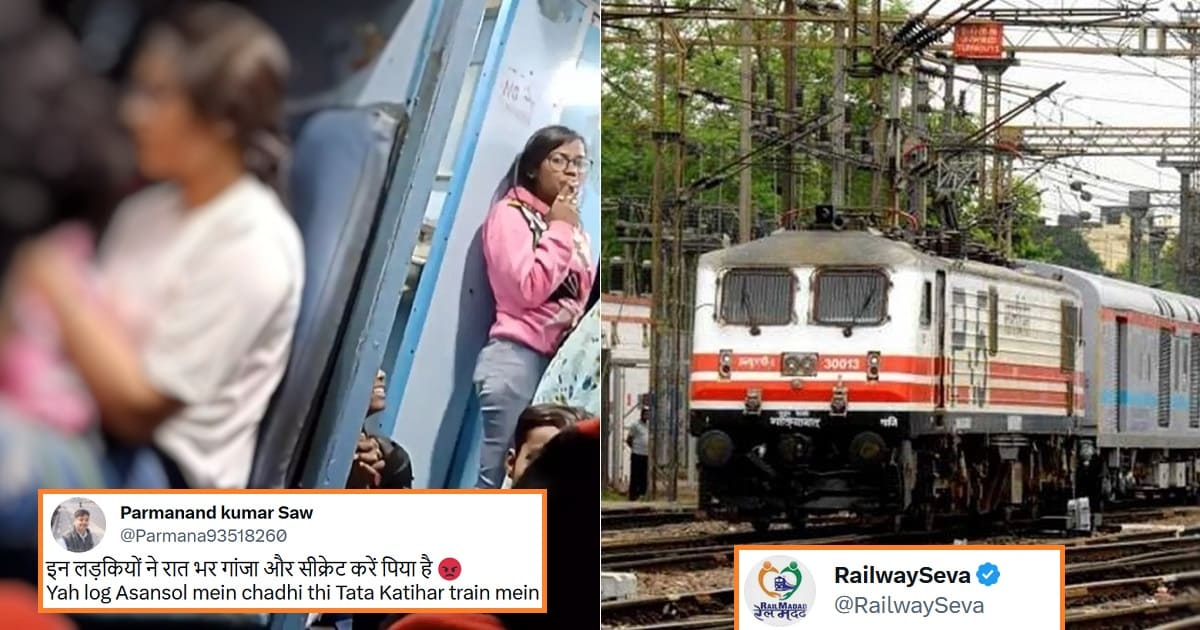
812, 391
820, 390
901, 364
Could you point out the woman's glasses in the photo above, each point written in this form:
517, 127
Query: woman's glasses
559, 162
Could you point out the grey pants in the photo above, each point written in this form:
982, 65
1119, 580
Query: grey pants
507, 375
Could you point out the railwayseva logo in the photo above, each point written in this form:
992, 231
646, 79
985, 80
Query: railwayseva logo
779, 591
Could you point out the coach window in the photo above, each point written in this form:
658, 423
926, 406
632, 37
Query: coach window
926, 304
1164, 377
1177, 357
1194, 382
993, 321
1069, 339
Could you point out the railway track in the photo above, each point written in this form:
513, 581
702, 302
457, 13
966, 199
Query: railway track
719, 622
1110, 580
624, 555
1144, 565
671, 543
1148, 512
713, 609
714, 550
1134, 548
676, 613
1186, 623
649, 517
654, 612
1108, 591
1137, 616
703, 556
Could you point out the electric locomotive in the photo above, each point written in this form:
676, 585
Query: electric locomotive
844, 371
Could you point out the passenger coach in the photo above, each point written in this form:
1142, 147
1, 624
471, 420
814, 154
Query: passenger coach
1142, 361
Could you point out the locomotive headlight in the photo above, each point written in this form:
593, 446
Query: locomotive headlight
873, 365
726, 366
791, 364
808, 364
798, 364
714, 448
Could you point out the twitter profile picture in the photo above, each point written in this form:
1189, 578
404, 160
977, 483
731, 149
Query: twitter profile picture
77, 525
779, 591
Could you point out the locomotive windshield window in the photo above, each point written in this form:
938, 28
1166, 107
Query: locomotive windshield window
758, 297
850, 297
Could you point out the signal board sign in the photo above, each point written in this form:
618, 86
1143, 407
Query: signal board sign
979, 41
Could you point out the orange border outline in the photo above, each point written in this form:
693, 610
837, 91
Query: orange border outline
84, 492
1061, 549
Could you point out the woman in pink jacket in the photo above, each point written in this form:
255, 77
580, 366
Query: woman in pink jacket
539, 267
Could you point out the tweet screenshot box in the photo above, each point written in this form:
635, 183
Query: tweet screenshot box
292, 551
900, 587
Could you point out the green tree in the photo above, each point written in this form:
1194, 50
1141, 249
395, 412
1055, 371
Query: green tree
710, 92
1167, 271
712, 85
1071, 249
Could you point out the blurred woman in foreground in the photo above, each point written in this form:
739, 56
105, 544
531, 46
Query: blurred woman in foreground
200, 276
50, 105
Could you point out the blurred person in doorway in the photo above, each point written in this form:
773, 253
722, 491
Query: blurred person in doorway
568, 470
569, 391
536, 426
379, 462
201, 274
637, 437
539, 268
573, 376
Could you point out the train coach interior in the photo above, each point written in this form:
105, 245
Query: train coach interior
385, 133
